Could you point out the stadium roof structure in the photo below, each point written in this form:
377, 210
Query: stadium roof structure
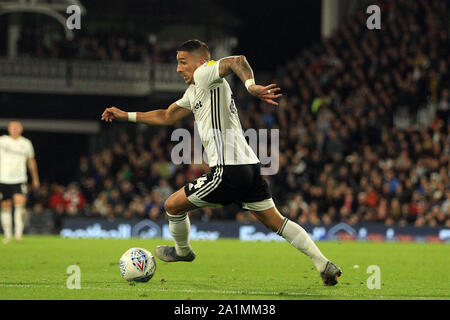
162, 12
56, 9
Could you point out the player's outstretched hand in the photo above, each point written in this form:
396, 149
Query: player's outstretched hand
114, 113
267, 93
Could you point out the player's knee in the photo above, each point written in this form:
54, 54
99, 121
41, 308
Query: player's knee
171, 206
6, 204
19, 200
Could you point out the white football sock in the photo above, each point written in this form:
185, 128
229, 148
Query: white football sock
299, 238
6, 218
179, 227
19, 216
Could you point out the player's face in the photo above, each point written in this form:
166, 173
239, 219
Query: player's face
188, 62
15, 129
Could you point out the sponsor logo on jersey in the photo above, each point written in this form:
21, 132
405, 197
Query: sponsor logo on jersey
198, 105
233, 105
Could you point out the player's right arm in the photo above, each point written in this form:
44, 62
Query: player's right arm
161, 117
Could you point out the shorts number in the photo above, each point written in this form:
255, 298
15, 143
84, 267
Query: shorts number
199, 182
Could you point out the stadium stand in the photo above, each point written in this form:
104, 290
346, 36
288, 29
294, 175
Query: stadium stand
364, 132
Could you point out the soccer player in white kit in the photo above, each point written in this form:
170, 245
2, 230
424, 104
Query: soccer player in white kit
235, 175
16, 153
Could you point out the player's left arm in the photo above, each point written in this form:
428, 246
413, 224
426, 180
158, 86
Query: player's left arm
241, 68
32, 166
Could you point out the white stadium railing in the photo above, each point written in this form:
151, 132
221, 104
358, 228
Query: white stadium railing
87, 77
167, 79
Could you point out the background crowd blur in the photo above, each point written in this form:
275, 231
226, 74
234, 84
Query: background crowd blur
98, 48
344, 155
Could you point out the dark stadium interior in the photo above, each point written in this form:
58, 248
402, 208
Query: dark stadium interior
364, 120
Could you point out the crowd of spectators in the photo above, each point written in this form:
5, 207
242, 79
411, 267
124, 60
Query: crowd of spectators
342, 156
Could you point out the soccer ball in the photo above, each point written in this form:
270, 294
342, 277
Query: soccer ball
137, 264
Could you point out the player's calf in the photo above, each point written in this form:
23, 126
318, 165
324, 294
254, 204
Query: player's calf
6, 222
177, 206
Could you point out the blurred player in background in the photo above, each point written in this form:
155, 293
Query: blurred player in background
16, 153
232, 179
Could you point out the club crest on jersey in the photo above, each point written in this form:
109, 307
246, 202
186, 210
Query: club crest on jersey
139, 259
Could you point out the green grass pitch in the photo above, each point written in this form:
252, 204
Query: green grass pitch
223, 269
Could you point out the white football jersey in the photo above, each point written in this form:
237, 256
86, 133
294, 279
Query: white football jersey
211, 101
14, 154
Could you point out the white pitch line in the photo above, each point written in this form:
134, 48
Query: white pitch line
231, 292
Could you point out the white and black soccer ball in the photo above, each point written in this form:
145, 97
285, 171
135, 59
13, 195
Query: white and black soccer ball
137, 264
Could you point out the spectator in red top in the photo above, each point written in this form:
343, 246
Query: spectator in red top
372, 197
74, 199
56, 198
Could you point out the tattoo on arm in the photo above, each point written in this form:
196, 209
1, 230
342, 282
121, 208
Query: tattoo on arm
237, 64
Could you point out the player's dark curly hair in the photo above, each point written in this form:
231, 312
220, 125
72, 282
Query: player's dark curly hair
195, 45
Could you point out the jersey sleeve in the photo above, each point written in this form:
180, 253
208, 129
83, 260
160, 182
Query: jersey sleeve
184, 102
207, 75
